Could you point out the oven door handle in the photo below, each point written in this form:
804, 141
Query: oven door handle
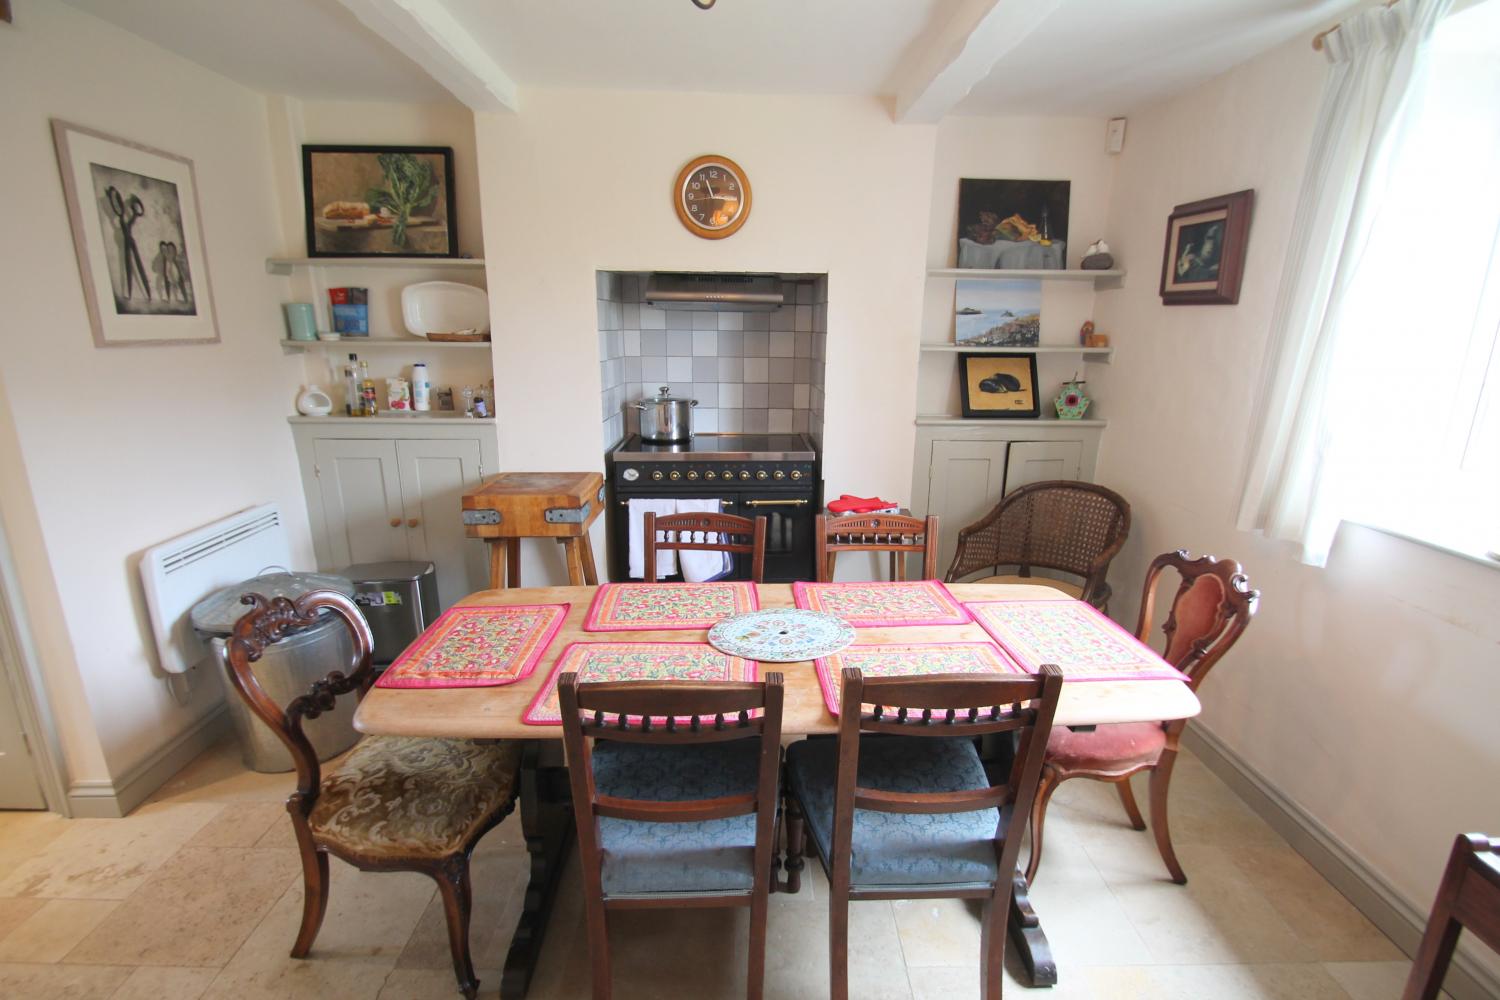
777, 503
722, 503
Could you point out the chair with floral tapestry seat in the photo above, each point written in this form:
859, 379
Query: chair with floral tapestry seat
1212, 607
900, 806
1064, 525
393, 803
675, 796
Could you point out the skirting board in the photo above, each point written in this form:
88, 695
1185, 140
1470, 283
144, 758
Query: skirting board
114, 799
1397, 918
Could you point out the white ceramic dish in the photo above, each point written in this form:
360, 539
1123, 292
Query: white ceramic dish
444, 307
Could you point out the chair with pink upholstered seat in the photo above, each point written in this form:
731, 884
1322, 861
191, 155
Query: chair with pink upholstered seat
1212, 607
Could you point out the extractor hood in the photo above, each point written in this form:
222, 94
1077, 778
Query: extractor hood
713, 292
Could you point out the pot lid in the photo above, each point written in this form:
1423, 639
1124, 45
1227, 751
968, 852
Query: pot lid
664, 395
217, 613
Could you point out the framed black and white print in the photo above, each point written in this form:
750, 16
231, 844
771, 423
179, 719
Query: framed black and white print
137, 231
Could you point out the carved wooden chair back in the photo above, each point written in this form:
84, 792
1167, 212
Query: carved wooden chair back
945, 705
1210, 610
1468, 897
269, 621
689, 533
1065, 525
893, 533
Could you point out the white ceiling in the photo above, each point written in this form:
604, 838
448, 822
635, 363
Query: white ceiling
310, 48
1089, 57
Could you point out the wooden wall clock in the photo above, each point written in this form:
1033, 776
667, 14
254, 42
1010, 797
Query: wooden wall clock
712, 197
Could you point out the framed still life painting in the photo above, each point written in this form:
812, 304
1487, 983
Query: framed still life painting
379, 201
998, 385
138, 234
1013, 224
1204, 256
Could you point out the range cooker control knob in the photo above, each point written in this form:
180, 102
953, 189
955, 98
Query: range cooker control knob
762, 474
674, 475
656, 475
728, 473
796, 473
692, 474
744, 473
710, 474
778, 474
630, 475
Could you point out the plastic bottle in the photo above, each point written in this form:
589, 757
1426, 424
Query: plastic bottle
421, 389
367, 391
354, 404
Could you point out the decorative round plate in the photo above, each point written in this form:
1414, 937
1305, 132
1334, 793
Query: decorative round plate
784, 635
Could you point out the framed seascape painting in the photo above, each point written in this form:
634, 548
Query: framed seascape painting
990, 313
379, 201
1204, 256
998, 385
1013, 224
138, 234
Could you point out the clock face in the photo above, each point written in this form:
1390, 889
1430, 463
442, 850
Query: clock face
712, 197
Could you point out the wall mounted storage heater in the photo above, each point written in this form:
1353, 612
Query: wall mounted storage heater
179, 573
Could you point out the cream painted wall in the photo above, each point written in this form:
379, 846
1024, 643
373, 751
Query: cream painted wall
1364, 692
125, 447
581, 181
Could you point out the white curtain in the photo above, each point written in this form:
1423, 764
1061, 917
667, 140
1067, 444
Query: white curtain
1378, 62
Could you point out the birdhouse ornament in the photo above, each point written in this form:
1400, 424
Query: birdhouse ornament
1071, 403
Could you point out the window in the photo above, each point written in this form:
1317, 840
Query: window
1413, 433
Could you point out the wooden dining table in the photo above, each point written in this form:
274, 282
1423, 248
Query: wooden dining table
544, 796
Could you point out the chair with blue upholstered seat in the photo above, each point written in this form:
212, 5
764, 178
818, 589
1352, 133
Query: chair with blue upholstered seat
900, 806
676, 794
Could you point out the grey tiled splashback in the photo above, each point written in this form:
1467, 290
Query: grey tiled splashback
751, 372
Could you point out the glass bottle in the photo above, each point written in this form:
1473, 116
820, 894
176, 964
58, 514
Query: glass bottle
367, 391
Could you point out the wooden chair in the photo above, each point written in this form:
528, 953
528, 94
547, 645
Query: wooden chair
735, 534
674, 813
1212, 607
1073, 527
917, 818
893, 533
393, 803
1468, 896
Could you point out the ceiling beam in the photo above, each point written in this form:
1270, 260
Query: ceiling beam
428, 34
942, 70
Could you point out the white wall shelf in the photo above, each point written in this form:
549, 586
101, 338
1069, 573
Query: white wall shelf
1094, 355
346, 344
1101, 279
439, 416
950, 420
284, 265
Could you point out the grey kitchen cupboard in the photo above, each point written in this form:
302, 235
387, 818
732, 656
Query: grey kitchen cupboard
391, 488
960, 470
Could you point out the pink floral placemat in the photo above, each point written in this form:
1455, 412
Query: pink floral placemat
649, 607
871, 605
477, 647
636, 661
1084, 643
910, 660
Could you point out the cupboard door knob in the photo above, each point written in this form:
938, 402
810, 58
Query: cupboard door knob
412, 522
395, 522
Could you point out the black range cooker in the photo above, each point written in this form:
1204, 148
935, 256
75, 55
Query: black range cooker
751, 475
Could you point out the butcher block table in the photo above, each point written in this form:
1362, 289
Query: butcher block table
517, 505
546, 818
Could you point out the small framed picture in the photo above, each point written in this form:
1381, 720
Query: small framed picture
998, 385
379, 201
1204, 256
138, 235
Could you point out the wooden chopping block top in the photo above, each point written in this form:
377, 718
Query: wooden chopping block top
534, 505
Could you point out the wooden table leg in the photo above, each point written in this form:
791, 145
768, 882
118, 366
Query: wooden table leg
513, 555
573, 559
547, 822
497, 562
590, 571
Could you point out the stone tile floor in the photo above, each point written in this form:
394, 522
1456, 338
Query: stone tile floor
198, 894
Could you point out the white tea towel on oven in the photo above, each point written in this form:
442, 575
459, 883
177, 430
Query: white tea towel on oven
700, 567
666, 562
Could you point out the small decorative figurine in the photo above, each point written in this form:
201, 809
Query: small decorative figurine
1086, 333
1097, 257
1071, 403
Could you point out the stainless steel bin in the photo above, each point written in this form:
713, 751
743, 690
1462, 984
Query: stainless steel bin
399, 600
286, 670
